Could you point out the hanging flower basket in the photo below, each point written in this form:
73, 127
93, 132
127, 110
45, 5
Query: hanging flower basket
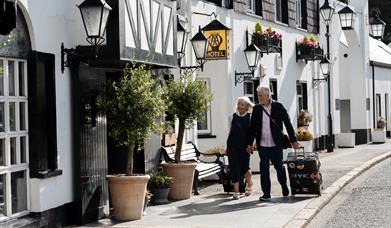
268, 41
308, 49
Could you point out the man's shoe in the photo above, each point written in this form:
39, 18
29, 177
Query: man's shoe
285, 191
264, 198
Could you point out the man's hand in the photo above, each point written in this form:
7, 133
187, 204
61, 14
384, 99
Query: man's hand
296, 145
250, 149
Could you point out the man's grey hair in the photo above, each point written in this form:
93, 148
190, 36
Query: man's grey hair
264, 89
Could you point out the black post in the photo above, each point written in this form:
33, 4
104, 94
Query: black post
330, 145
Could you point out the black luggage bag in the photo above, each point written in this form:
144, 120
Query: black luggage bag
304, 174
225, 180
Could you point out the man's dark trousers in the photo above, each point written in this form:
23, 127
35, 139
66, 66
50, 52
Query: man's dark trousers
275, 155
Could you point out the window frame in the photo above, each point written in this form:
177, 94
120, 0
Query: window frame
282, 10
8, 168
208, 130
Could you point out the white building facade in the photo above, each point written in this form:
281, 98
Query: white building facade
54, 147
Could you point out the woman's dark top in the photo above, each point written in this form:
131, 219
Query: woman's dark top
239, 159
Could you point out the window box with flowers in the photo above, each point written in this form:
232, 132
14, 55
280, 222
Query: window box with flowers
268, 41
305, 138
308, 49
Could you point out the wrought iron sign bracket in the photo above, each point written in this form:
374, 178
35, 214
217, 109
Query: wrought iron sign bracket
243, 76
187, 70
71, 56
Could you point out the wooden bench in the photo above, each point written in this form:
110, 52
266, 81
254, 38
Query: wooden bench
190, 152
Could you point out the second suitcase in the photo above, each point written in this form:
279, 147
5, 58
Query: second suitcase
304, 174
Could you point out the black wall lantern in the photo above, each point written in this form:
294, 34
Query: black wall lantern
199, 43
377, 27
95, 14
181, 41
346, 17
253, 55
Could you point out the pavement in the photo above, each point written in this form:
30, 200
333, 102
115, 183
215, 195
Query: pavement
213, 208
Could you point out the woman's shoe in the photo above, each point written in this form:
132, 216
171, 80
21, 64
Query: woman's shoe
236, 196
248, 191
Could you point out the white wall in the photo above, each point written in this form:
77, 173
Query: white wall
52, 22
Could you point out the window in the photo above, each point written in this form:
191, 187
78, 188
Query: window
273, 88
301, 90
301, 14
204, 126
250, 89
282, 11
254, 6
250, 6
378, 105
14, 137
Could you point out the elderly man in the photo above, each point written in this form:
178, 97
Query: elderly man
267, 132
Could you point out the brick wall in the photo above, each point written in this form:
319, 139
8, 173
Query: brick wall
240, 6
269, 10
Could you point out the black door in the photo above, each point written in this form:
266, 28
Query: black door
92, 190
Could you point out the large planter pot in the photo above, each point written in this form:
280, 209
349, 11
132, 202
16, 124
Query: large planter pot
308, 145
160, 195
183, 174
346, 139
379, 136
127, 196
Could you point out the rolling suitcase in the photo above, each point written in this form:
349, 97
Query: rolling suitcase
304, 174
225, 178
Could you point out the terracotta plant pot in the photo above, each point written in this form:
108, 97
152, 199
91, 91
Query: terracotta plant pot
183, 174
127, 195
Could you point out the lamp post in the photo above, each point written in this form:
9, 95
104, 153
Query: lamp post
327, 12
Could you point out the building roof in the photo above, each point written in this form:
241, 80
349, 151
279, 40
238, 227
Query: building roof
379, 52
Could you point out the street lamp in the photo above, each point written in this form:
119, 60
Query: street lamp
377, 27
327, 12
346, 17
325, 66
181, 41
252, 54
199, 43
95, 14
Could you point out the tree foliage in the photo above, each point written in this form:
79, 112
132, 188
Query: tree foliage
135, 104
188, 100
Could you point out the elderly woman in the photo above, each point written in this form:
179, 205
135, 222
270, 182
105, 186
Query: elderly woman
238, 157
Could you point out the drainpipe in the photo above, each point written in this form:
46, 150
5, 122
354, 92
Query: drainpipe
373, 93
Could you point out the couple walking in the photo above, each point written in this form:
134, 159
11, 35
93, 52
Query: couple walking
264, 125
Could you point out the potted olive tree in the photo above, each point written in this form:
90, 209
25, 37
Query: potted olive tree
188, 100
135, 104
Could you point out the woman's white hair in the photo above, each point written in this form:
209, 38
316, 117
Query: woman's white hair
264, 89
246, 100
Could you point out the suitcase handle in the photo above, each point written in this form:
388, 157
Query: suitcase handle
301, 148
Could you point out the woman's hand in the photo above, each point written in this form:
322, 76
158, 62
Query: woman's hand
250, 149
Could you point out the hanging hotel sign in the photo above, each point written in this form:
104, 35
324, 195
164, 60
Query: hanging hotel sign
218, 40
